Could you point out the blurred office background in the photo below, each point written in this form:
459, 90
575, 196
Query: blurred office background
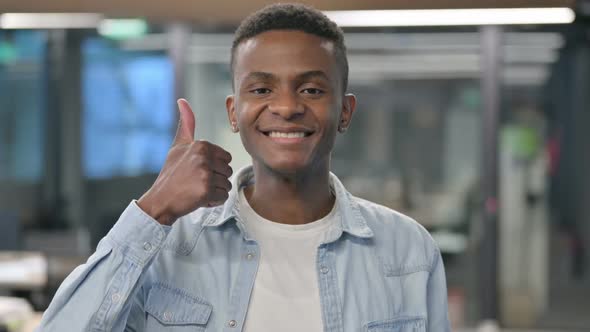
478, 130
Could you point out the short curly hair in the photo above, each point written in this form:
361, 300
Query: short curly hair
287, 16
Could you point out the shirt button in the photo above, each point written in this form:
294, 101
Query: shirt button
167, 315
147, 246
232, 323
250, 256
324, 270
116, 297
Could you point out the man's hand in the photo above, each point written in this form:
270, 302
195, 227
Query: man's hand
194, 175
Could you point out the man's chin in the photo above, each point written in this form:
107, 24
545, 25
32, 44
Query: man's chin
288, 168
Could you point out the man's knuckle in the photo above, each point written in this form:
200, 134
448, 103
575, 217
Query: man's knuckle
201, 147
206, 176
202, 163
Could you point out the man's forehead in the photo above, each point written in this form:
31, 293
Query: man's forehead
285, 53
283, 38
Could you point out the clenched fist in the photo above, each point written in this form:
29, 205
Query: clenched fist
194, 175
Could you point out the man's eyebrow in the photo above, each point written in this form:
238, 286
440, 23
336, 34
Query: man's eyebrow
260, 75
313, 74
264, 76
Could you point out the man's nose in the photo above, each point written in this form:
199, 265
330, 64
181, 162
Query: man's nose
286, 105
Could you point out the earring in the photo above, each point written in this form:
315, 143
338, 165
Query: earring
341, 127
234, 127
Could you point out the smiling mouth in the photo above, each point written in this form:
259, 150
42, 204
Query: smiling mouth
291, 134
278, 134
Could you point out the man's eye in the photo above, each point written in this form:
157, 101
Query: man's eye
260, 91
312, 91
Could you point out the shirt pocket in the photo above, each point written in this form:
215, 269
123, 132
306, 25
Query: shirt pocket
400, 324
173, 309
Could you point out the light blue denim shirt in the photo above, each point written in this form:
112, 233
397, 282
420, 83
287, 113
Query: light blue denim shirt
377, 271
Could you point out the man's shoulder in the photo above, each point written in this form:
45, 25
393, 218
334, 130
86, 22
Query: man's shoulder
386, 216
393, 226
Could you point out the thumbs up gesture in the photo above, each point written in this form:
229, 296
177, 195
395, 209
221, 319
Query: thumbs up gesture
194, 175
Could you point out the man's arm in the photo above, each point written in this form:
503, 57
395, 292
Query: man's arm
99, 294
438, 313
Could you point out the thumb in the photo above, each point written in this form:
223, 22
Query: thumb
186, 123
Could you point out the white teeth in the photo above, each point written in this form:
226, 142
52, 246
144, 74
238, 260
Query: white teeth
286, 135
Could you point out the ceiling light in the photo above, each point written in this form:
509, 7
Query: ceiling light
451, 17
122, 28
49, 20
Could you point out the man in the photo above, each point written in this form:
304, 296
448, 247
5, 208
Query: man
284, 246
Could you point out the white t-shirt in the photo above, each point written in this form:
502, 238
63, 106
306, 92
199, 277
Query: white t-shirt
286, 296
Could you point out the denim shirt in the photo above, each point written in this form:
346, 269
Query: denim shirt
378, 270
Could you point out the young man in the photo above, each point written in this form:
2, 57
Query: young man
284, 246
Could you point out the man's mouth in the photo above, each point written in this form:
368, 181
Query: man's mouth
287, 135
278, 134
286, 132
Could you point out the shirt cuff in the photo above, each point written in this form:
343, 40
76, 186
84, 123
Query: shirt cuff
138, 234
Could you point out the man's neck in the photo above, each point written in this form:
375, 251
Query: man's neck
296, 199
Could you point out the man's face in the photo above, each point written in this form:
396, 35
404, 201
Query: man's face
288, 100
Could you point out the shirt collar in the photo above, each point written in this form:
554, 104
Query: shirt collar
351, 219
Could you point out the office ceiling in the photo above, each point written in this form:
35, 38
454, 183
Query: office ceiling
231, 11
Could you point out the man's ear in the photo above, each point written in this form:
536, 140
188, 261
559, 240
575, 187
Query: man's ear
231, 113
348, 108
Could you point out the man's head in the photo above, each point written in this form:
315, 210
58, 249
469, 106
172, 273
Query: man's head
289, 76
296, 17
